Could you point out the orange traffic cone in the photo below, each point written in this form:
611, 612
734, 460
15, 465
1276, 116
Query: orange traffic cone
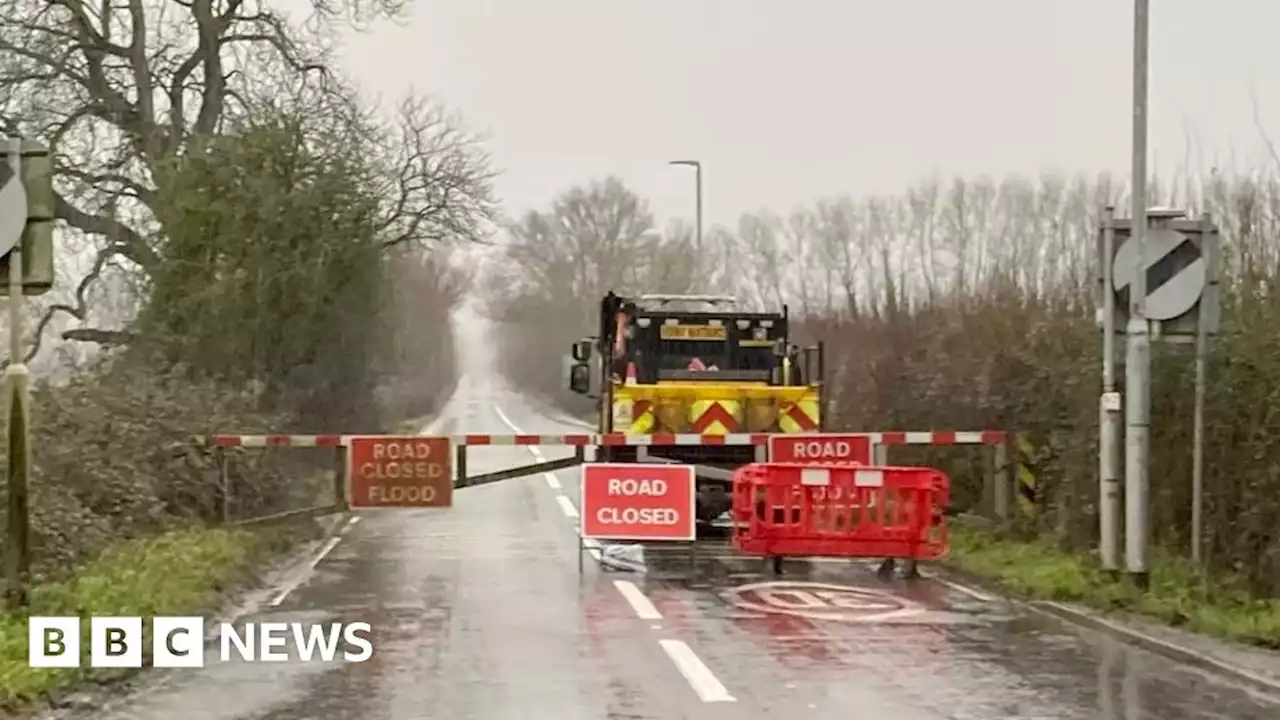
631, 374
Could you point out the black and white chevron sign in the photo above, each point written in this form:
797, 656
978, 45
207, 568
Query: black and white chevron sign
1176, 273
13, 207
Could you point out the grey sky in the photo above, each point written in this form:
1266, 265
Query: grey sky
787, 101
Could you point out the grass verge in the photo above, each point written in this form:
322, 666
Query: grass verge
180, 573
1178, 596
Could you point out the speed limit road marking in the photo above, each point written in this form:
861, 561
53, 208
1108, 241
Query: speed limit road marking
822, 601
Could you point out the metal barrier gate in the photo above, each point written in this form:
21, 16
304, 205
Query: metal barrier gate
397, 461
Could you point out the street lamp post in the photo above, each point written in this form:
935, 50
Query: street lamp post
697, 168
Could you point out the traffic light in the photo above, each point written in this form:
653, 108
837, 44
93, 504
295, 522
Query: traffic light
37, 238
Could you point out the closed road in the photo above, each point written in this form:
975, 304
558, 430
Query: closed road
479, 613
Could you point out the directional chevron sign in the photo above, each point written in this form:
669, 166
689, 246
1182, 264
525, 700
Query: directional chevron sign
1182, 258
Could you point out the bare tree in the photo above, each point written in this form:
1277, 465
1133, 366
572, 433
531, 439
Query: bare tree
758, 235
841, 252
124, 92
558, 263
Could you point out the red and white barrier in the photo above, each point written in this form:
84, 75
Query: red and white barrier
937, 437
931, 437
297, 441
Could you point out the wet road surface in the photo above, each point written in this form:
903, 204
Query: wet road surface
479, 612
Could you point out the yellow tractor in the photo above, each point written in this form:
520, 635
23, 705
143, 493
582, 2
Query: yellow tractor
692, 364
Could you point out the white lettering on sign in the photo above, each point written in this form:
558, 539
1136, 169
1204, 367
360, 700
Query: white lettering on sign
402, 493
401, 470
818, 450
402, 451
637, 502
638, 516
627, 486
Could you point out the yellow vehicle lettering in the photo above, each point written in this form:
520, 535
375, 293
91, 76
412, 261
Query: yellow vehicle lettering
694, 332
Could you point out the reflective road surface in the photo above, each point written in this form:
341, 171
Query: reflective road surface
479, 612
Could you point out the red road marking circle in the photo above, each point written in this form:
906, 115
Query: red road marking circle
822, 601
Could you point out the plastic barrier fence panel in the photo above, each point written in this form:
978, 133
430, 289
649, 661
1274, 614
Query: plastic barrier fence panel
840, 510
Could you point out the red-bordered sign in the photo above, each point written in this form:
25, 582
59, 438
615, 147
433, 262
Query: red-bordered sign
627, 501
820, 448
400, 472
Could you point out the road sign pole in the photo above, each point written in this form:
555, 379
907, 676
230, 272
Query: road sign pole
1138, 341
18, 416
1109, 505
1202, 351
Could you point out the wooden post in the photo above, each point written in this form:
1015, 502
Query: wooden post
340, 479
1002, 479
224, 482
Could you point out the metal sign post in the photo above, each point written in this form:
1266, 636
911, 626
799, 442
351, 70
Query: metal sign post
1137, 384
1183, 260
1203, 323
1109, 506
15, 205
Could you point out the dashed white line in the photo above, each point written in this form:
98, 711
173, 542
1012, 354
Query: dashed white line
324, 551
644, 608
328, 547
700, 677
567, 507
552, 481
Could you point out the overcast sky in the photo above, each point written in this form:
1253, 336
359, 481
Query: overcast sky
785, 101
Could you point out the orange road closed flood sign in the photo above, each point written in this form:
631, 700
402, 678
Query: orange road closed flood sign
399, 472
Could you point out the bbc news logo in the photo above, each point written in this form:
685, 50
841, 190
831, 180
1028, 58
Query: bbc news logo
179, 642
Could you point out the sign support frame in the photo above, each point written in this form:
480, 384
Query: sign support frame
18, 414
1111, 437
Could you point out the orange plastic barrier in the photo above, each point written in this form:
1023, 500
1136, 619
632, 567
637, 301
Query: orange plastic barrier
840, 510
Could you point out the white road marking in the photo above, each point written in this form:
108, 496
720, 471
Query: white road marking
567, 507
506, 420
975, 594
644, 608
700, 677
329, 546
575, 422
311, 566
592, 545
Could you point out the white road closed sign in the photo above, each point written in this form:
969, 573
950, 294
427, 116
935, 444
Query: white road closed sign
822, 601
